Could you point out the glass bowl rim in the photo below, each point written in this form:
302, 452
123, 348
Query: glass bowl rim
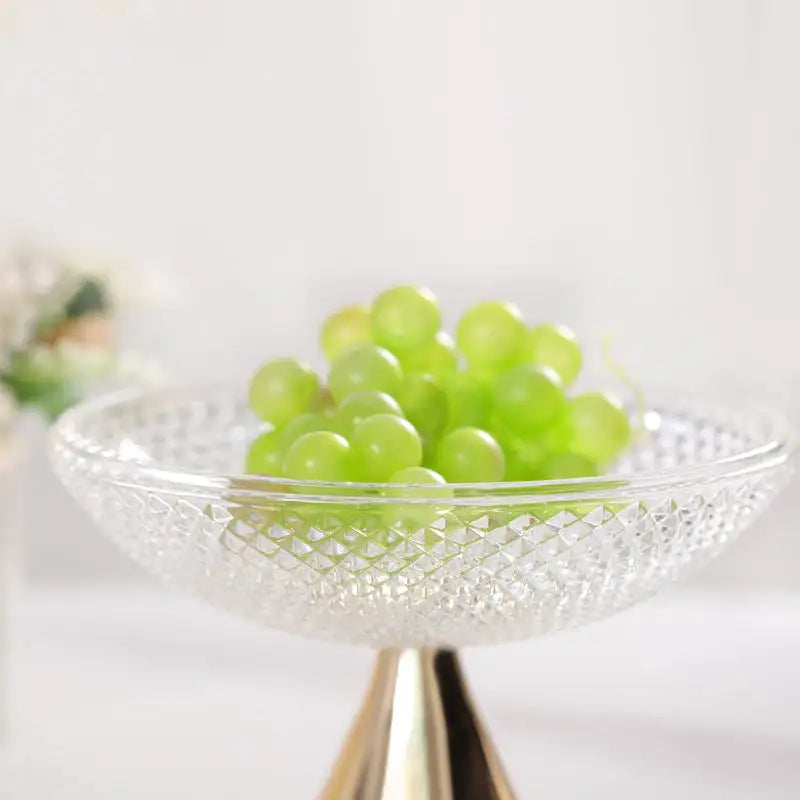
65, 434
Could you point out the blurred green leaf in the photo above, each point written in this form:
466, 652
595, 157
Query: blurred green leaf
91, 297
51, 396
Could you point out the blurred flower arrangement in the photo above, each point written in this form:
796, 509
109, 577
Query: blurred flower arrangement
58, 315
57, 330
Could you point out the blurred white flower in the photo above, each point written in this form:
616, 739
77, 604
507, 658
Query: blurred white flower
8, 410
58, 310
27, 280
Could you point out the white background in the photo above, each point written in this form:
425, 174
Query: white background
626, 167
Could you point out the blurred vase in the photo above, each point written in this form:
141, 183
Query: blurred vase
10, 516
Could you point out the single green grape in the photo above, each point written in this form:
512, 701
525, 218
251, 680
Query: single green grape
468, 401
345, 329
424, 403
438, 359
554, 346
470, 455
264, 455
490, 335
528, 398
383, 444
413, 476
566, 465
360, 405
405, 318
319, 456
599, 428
365, 366
282, 389
428, 485
303, 423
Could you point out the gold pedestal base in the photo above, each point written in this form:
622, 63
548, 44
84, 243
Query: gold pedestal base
417, 737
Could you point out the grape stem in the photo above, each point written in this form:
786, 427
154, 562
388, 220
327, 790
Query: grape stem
625, 379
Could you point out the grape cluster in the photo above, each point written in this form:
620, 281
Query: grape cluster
404, 403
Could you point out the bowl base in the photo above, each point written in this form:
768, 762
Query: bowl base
418, 735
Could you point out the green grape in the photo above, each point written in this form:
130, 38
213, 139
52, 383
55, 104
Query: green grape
470, 455
360, 405
490, 335
528, 398
405, 318
553, 346
522, 455
556, 437
383, 444
319, 456
304, 423
599, 428
482, 377
566, 465
282, 389
418, 476
365, 366
264, 455
424, 403
468, 401
412, 516
345, 329
438, 359
517, 468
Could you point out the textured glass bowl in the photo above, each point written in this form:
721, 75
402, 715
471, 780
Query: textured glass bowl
483, 563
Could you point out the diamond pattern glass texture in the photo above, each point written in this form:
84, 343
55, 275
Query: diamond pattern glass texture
490, 563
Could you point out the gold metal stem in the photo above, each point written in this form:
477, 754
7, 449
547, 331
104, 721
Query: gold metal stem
417, 737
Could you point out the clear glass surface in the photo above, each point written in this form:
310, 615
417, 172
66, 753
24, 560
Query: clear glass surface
391, 566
